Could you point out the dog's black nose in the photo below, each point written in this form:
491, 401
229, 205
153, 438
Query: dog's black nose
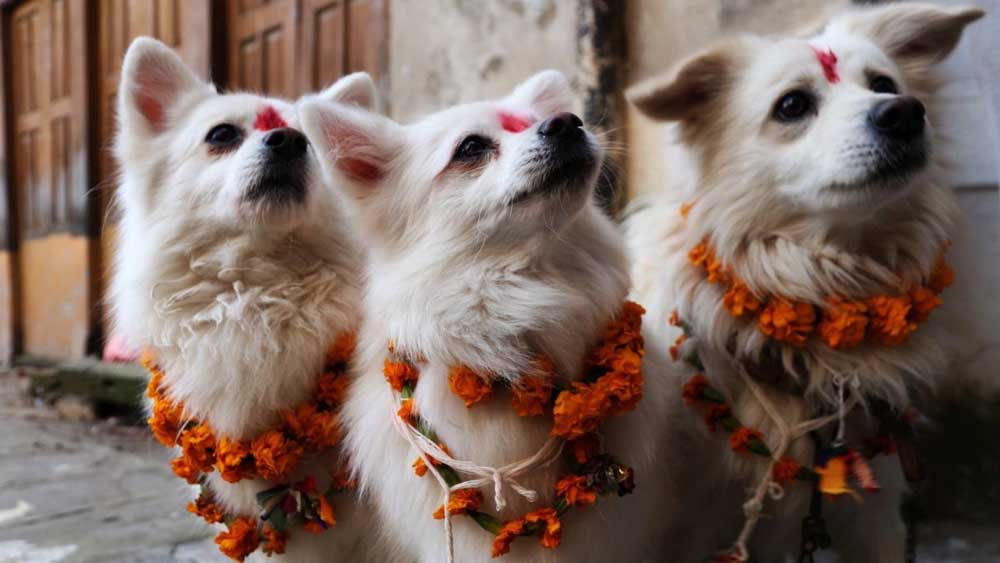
286, 142
901, 117
559, 125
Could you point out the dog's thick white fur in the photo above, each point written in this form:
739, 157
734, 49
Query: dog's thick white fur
237, 273
804, 208
485, 249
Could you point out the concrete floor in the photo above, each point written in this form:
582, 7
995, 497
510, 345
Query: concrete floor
101, 491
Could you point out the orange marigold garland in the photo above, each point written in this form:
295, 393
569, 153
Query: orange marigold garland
611, 386
272, 455
840, 323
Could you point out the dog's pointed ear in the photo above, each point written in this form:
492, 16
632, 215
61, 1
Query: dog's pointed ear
546, 93
689, 87
154, 80
357, 88
351, 143
913, 31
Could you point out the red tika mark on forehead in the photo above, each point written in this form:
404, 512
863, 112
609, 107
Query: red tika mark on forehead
828, 60
268, 119
513, 123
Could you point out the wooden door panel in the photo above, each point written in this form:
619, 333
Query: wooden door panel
324, 51
185, 25
262, 41
50, 166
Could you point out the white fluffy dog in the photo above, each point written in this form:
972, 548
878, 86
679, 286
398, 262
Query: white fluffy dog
486, 250
817, 185
234, 264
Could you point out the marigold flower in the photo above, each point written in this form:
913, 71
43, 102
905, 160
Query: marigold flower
185, 469
198, 446
574, 490
460, 502
584, 448
924, 301
889, 323
675, 350
739, 300
942, 276
165, 422
419, 467
154, 389
273, 541
332, 389
700, 255
313, 527
844, 323
787, 321
399, 374
716, 413
675, 318
342, 349
275, 455
405, 411
341, 480
694, 389
552, 533
325, 512
742, 437
468, 385
506, 536
580, 412
240, 539
205, 507
316, 429
233, 460
531, 396
785, 470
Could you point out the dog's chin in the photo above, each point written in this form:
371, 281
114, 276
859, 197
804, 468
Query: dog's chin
563, 177
275, 202
889, 177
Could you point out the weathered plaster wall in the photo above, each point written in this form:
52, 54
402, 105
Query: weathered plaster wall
663, 32
444, 52
971, 122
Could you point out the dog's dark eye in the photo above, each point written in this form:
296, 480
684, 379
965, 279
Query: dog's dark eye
793, 106
223, 135
473, 148
881, 84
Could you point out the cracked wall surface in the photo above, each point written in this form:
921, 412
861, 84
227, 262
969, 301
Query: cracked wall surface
445, 52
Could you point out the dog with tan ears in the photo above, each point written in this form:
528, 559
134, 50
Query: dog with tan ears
237, 273
795, 280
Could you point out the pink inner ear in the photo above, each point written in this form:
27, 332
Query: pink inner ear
268, 119
828, 60
359, 169
514, 123
151, 109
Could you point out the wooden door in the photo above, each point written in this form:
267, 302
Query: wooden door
184, 25
51, 175
290, 47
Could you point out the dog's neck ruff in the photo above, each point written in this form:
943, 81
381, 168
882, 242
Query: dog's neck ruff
273, 455
611, 385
